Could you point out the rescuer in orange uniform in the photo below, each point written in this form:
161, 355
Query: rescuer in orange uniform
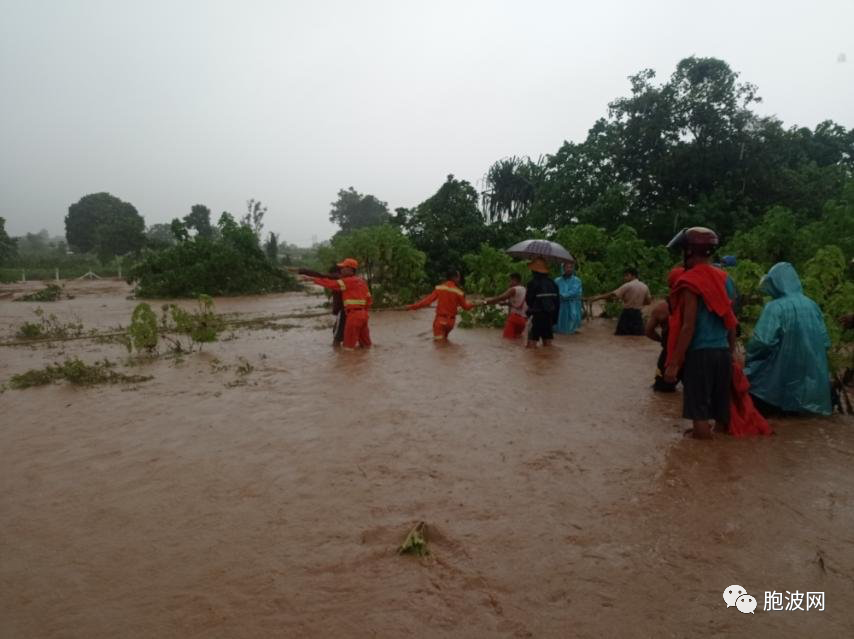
449, 298
356, 298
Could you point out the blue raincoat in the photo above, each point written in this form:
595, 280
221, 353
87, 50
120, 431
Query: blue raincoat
569, 318
787, 356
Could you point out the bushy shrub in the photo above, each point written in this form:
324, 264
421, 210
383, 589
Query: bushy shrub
601, 258
142, 332
231, 264
51, 293
483, 316
392, 266
488, 271
198, 327
747, 276
826, 281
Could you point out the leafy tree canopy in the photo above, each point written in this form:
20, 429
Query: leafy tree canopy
8, 246
447, 226
230, 264
393, 267
103, 223
352, 211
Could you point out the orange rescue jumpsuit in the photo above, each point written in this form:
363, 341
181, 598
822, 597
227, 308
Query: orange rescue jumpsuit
357, 300
449, 299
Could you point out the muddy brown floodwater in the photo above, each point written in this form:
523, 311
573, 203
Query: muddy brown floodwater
560, 497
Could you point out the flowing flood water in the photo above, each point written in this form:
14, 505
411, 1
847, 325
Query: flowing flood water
260, 488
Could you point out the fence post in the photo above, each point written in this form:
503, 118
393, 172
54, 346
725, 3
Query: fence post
57, 274
23, 275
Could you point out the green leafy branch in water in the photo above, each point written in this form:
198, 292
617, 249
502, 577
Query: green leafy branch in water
199, 327
415, 542
49, 327
483, 316
142, 332
76, 372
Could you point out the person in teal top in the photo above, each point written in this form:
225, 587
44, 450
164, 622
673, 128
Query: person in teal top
786, 359
569, 285
709, 330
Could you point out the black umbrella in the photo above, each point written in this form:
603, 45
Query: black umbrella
532, 249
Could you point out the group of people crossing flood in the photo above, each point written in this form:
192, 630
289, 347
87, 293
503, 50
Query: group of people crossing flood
785, 368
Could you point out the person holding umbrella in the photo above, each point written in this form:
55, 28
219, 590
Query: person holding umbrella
542, 295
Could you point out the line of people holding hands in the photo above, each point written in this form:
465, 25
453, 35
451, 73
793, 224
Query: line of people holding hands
786, 365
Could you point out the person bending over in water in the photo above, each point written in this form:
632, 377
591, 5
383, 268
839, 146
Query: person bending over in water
659, 318
787, 353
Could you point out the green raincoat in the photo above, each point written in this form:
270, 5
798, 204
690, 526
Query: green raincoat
787, 356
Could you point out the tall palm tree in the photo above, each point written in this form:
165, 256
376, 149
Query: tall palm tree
510, 188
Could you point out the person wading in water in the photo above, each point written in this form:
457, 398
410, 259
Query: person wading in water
515, 298
701, 336
634, 295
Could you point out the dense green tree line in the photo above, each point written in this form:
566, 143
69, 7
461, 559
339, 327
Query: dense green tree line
686, 151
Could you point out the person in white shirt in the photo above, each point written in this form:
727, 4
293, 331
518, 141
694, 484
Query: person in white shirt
515, 299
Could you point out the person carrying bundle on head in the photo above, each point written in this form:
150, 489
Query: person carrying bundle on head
448, 297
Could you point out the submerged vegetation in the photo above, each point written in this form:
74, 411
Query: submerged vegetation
142, 332
76, 372
197, 327
183, 331
49, 327
51, 293
415, 542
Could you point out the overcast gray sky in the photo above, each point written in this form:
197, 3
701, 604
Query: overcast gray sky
169, 104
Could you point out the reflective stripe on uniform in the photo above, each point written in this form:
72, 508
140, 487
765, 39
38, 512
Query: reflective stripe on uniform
355, 302
546, 294
450, 290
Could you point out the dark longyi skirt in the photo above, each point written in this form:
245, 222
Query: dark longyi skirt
338, 329
630, 322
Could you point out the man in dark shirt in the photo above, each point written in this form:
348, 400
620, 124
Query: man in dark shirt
543, 300
337, 302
